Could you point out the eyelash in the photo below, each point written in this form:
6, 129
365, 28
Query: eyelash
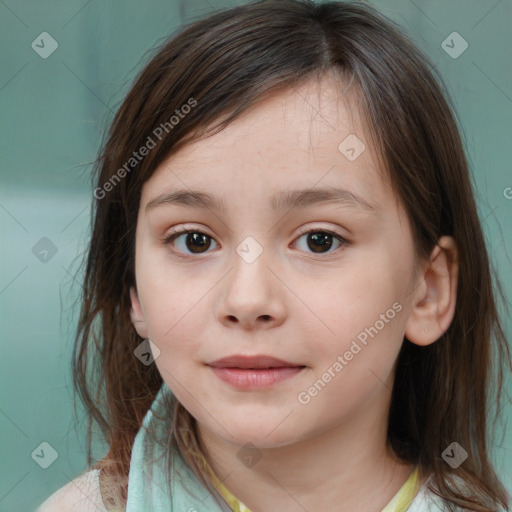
175, 234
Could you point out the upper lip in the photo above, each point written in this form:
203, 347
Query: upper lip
258, 361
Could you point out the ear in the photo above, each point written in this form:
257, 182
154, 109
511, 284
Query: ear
435, 295
137, 315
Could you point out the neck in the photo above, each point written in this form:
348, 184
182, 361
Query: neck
348, 467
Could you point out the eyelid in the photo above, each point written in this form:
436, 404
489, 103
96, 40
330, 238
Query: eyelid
308, 229
181, 228
176, 231
301, 231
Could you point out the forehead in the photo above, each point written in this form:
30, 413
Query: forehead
302, 137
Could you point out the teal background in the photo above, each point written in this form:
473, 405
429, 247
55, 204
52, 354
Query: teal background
53, 112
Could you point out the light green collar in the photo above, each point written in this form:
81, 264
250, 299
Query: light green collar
147, 487
148, 490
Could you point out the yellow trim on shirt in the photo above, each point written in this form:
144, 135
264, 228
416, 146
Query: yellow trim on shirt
400, 502
234, 504
405, 496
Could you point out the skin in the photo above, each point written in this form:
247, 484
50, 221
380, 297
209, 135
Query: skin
291, 302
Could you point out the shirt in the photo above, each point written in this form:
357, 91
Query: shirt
83, 494
148, 491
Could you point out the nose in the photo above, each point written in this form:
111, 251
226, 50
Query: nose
252, 295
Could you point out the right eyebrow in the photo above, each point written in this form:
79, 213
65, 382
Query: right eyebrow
191, 198
287, 199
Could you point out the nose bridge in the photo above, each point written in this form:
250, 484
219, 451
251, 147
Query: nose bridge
250, 250
250, 268
252, 290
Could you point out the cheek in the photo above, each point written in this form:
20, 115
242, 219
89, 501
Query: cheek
358, 359
167, 293
346, 305
362, 321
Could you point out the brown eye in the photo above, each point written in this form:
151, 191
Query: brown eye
195, 242
320, 241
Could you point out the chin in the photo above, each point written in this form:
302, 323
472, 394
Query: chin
262, 434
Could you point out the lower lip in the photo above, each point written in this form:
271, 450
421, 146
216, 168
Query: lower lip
255, 379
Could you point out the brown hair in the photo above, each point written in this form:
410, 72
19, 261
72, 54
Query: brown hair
227, 63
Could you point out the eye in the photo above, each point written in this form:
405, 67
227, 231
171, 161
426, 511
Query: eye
320, 241
197, 241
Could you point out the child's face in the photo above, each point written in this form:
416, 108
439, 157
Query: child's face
301, 301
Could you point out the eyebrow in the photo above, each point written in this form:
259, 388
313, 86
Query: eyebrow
288, 199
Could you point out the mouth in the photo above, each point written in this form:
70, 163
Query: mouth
257, 362
254, 372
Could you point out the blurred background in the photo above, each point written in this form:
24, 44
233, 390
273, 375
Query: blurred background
64, 69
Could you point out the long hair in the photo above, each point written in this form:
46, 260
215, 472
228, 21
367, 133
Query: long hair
210, 73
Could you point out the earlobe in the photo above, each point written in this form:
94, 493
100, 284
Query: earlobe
434, 303
136, 315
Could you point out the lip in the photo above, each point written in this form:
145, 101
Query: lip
251, 362
254, 372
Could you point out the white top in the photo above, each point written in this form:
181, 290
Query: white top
83, 494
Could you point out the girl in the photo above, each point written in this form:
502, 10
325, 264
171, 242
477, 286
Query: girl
233, 363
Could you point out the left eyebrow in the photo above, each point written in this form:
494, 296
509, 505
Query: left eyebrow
288, 199
302, 198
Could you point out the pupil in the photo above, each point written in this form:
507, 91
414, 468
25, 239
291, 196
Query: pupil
323, 239
320, 241
198, 238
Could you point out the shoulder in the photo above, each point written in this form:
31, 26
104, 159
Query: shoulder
428, 501
425, 501
82, 494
